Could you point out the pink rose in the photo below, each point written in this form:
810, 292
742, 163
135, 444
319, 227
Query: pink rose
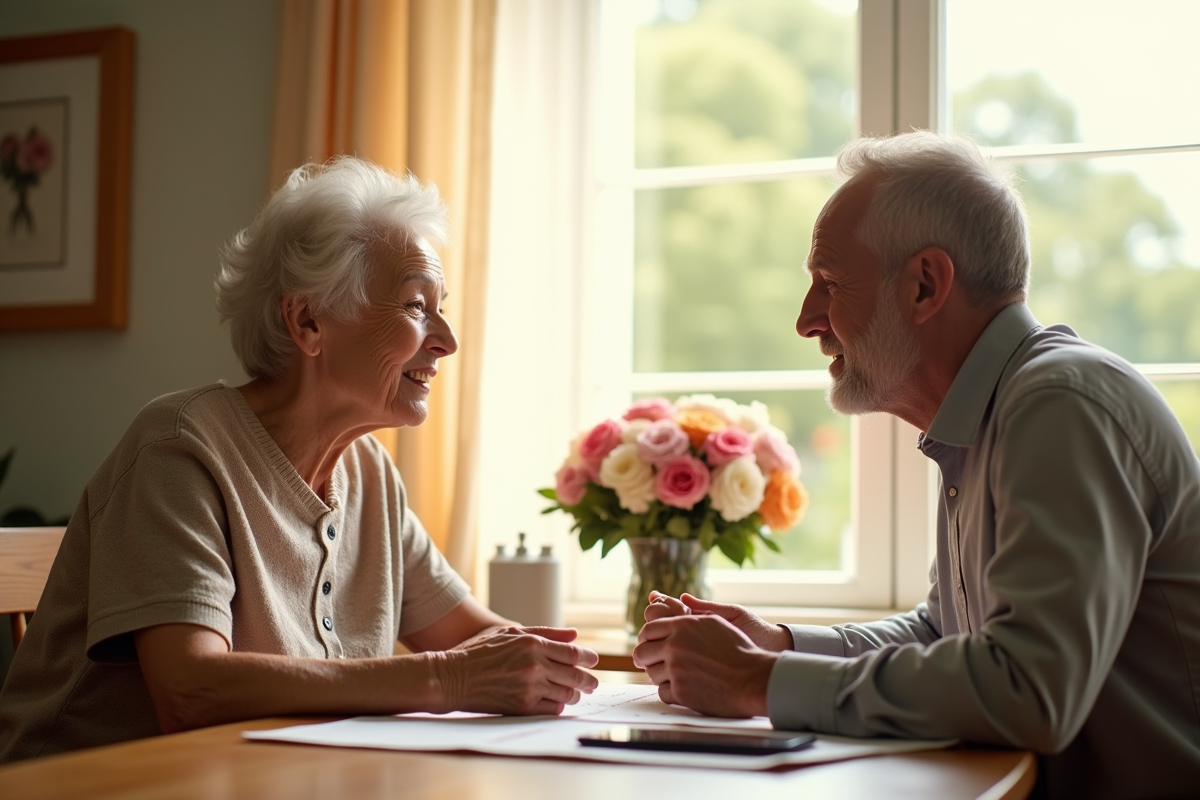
661, 442
570, 483
725, 445
653, 410
598, 443
682, 482
774, 453
35, 155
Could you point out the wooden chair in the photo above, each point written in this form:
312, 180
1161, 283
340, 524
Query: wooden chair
26, 555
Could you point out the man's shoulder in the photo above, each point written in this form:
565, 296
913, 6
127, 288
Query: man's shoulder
1055, 357
1079, 372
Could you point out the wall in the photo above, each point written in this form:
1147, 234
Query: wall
202, 111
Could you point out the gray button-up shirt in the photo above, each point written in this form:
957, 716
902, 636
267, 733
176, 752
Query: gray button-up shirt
1064, 615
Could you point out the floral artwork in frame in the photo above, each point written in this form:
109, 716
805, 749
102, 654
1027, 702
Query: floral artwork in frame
32, 183
66, 114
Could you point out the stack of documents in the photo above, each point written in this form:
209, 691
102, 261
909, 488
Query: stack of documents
557, 737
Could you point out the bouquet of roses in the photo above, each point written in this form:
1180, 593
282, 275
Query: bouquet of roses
700, 468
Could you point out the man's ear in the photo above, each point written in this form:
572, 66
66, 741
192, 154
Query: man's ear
928, 276
301, 324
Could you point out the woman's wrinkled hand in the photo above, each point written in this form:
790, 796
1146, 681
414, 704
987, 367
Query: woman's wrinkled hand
521, 671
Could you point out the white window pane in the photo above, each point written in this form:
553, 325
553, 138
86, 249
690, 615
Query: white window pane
719, 276
733, 81
1116, 252
1102, 72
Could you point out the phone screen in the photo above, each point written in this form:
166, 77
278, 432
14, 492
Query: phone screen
699, 740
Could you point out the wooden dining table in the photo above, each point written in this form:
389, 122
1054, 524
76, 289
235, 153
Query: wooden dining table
217, 763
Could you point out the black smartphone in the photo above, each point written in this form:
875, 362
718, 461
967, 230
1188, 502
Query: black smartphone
700, 740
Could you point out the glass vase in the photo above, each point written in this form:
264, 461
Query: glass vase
672, 566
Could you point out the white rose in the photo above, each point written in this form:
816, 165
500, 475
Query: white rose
753, 417
623, 471
635, 502
632, 428
737, 489
723, 407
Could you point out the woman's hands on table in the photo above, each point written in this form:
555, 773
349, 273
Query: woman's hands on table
516, 670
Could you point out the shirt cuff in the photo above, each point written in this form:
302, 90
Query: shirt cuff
802, 692
818, 639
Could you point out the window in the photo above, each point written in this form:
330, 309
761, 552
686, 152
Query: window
672, 155
1108, 150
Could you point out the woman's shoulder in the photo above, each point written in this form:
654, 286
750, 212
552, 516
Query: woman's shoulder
367, 455
369, 469
151, 435
165, 413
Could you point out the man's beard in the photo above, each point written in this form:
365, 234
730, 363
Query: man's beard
875, 364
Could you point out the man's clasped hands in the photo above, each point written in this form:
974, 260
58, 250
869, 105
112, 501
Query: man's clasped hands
711, 657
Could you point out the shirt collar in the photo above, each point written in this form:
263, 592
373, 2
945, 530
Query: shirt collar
961, 413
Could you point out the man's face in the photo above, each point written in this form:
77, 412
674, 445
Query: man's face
853, 312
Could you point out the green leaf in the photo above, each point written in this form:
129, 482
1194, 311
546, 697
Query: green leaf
611, 540
549, 494
590, 533
678, 527
733, 546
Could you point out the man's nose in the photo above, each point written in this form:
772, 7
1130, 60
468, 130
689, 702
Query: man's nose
813, 320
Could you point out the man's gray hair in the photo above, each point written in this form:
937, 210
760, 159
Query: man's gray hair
941, 191
316, 237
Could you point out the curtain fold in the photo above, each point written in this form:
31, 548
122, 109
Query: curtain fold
407, 84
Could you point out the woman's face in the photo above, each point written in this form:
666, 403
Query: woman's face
380, 366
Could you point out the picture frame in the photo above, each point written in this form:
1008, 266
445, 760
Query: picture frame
66, 122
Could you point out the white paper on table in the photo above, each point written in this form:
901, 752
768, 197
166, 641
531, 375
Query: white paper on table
557, 736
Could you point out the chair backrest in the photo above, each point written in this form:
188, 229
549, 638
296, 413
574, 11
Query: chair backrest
26, 555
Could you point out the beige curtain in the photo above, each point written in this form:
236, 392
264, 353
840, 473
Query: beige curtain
407, 84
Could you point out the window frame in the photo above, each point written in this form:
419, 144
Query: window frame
891, 539
900, 83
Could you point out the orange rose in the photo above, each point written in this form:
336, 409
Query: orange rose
784, 502
698, 423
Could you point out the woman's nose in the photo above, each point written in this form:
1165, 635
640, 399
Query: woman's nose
443, 342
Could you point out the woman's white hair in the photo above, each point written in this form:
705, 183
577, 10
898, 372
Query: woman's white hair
941, 191
315, 238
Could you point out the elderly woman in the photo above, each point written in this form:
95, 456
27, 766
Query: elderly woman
248, 552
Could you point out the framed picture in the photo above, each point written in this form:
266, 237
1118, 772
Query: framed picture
66, 117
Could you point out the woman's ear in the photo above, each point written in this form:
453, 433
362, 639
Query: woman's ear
929, 276
301, 324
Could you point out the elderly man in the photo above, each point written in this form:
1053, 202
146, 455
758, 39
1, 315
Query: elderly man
1064, 615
